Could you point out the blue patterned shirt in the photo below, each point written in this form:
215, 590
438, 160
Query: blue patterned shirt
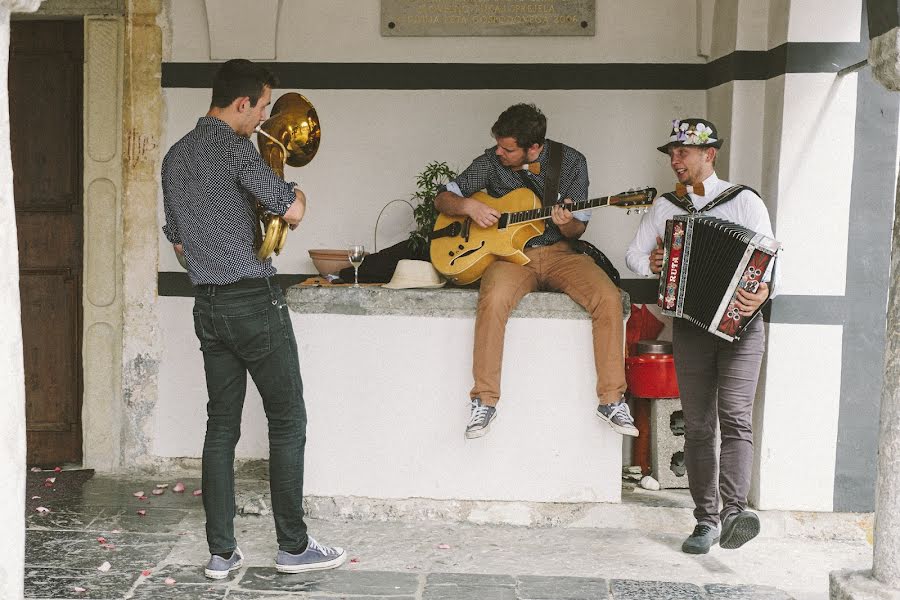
211, 179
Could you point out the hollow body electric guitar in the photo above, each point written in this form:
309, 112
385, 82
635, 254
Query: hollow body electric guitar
461, 250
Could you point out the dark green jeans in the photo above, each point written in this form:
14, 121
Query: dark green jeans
245, 328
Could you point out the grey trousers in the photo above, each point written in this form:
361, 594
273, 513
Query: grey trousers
717, 382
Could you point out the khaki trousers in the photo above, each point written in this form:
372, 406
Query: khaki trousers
552, 268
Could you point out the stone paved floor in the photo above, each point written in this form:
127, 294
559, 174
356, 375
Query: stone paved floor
97, 521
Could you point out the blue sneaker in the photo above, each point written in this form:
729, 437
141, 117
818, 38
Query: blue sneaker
480, 419
618, 417
219, 568
316, 557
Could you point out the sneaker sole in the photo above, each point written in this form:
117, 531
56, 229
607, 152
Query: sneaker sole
222, 574
633, 432
477, 433
319, 566
744, 528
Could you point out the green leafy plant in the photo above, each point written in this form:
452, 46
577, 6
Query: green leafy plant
428, 181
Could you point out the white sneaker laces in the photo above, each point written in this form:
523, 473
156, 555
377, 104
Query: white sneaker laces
479, 414
621, 409
320, 548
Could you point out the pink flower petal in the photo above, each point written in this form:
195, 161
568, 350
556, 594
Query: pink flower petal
104, 567
78, 589
146, 572
162, 486
50, 480
179, 487
197, 492
354, 561
169, 581
36, 469
138, 494
142, 512
42, 510
444, 546
57, 469
158, 492
101, 539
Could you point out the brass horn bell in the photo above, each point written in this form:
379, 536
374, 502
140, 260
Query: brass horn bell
290, 135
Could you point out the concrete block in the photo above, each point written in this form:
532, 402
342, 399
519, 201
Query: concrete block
667, 443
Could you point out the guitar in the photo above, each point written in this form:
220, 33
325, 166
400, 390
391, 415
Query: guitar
461, 250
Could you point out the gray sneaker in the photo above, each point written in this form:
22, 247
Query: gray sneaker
316, 557
480, 419
699, 542
738, 529
219, 568
618, 416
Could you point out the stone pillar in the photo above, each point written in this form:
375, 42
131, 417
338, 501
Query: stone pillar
886, 566
12, 375
142, 115
884, 579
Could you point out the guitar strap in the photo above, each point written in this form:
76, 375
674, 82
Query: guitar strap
551, 183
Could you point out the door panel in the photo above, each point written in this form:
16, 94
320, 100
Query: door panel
45, 90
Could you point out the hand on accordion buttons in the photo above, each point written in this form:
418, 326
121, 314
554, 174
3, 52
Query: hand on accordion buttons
748, 302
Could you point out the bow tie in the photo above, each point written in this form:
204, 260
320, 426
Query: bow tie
683, 190
533, 168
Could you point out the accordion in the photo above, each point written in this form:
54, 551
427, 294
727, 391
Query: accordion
706, 260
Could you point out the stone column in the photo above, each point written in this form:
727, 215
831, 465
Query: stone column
142, 115
12, 375
884, 579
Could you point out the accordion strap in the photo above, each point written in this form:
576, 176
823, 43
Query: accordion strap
685, 203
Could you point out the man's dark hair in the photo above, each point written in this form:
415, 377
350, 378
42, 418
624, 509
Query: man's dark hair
524, 122
240, 77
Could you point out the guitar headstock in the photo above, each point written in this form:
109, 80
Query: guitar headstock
634, 199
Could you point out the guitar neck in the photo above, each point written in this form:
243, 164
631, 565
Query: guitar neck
537, 214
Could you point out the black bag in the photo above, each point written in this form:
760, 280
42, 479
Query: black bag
599, 258
380, 266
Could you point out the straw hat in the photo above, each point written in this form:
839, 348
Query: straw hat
415, 274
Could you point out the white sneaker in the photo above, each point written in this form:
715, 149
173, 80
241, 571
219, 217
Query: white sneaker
316, 557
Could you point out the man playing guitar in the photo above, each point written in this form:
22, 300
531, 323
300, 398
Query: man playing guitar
521, 159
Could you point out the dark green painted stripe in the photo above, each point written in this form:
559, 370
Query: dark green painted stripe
793, 57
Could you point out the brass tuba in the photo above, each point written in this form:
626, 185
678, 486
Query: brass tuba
290, 135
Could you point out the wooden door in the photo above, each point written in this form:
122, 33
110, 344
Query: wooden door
45, 105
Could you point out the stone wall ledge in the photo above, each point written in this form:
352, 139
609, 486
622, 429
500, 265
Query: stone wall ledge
442, 302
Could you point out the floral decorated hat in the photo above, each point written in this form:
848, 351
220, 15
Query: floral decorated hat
692, 132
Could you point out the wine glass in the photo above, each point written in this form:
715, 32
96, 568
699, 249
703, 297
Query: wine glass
356, 254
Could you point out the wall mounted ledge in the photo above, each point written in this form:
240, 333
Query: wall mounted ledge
444, 302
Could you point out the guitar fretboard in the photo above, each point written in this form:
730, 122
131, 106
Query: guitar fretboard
536, 214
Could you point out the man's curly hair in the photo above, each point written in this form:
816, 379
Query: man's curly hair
524, 122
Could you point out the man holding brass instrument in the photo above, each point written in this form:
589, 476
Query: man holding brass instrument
212, 179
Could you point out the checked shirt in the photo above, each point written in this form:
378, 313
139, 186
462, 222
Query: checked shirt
210, 178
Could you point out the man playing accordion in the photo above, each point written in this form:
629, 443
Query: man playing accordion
717, 378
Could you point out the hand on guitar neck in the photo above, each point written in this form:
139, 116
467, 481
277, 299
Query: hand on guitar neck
562, 217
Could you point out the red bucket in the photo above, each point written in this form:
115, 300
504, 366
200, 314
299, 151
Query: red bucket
651, 376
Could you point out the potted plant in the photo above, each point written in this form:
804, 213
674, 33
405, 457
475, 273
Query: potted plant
428, 181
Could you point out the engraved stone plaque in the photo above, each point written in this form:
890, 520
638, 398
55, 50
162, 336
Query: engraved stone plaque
487, 17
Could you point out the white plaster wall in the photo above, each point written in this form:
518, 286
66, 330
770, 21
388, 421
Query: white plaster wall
815, 175
825, 20
350, 31
408, 397
374, 142
799, 432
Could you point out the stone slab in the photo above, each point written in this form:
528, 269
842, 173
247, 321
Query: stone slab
445, 302
494, 18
